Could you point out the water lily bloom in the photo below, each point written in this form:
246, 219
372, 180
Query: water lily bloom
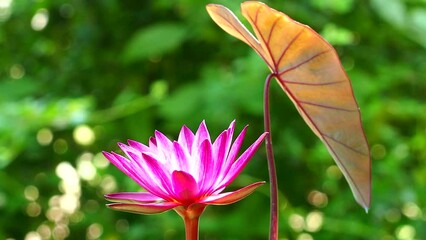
185, 175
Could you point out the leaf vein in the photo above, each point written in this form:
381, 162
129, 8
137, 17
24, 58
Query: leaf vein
286, 48
304, 62
272, 30
329, 107
312, 84
345, 145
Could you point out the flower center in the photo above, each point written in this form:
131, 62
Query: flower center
185, 188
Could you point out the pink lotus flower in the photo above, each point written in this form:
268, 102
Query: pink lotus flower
185, 175
191, 170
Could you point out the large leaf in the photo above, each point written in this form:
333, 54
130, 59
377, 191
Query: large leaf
154, 41
309, 71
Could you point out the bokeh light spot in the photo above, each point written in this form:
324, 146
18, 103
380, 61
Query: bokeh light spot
5, 9
348, 63
122, 225
378, 151
5, 3
85, 168
317, 198
392, 215
314, 221
334, 172
54, 201
296, 222
60, 146
33, 209
31, 193
405, 232
159, 89
54, 214
83, 135
70, 186
69, 203
40, 19
401, 151
33, 236
411, 210
66, 172
44, 231
60, 231
108, 184
77, 217
17, 71
305, 236
44, 136
94, 231
100, 161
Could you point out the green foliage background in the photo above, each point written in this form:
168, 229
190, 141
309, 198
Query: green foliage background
78, 76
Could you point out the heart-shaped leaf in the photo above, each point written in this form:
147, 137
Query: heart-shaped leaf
308, 69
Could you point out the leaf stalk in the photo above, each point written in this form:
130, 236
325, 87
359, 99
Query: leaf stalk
273, 230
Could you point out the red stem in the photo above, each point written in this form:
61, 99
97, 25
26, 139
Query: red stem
191, 228
191, 216
273, 231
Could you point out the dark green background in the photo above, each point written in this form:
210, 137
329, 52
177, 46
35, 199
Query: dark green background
122, 69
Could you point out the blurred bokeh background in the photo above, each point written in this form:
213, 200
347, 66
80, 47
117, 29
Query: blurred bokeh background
78, 76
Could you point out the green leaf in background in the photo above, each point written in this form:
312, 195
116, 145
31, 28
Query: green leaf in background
405, 17
338, 6
394, 12
336, 35
154, 41
11, 90
21, 119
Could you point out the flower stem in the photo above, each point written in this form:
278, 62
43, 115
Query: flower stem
273, 230
191, 228
191, 216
